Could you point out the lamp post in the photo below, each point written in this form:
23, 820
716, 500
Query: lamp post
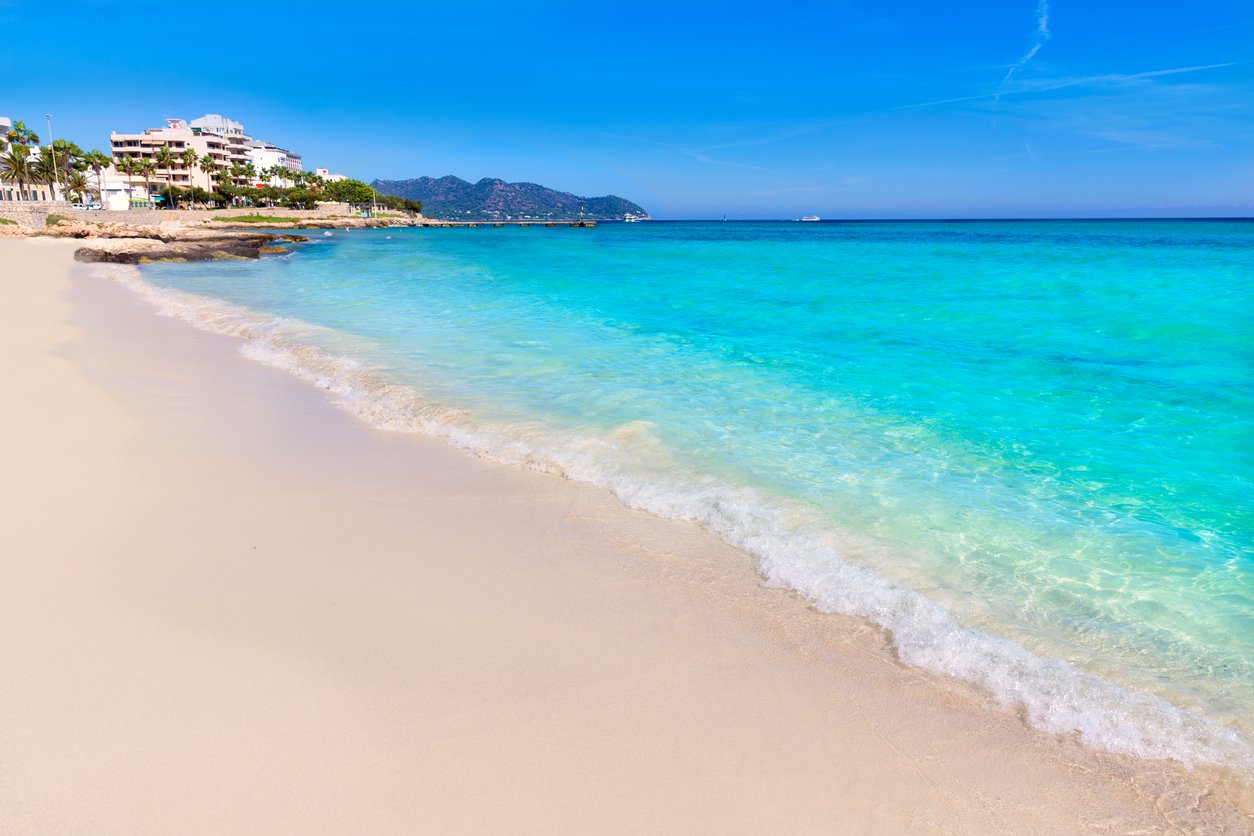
52, 155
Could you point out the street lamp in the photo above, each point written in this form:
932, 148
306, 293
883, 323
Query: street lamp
52, 155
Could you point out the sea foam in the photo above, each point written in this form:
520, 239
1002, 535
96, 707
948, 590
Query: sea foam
1055, 696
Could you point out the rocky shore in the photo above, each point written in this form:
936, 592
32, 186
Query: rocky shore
208, 236
119, 243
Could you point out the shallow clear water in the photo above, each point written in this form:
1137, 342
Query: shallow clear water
1043, 427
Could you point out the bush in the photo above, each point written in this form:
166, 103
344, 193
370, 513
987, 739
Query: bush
54, 219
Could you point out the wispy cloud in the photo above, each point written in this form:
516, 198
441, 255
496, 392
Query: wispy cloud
1039, 38
708, 160
1146, 115
702, 157
780, 136
1049, 85
1153, 140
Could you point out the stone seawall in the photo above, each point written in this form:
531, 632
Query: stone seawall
151, 217
34, 214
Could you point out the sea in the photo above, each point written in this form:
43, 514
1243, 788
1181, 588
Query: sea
1024, 449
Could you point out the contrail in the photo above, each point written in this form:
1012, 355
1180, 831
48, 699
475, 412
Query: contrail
1040, 37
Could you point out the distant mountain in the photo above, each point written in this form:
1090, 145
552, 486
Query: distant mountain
452, 198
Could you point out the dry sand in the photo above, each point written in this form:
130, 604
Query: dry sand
228, 607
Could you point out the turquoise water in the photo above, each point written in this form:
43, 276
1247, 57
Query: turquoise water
1023, 448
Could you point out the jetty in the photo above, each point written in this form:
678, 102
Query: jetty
548, 224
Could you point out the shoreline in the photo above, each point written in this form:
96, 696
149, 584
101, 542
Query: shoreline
721, 687
209, 237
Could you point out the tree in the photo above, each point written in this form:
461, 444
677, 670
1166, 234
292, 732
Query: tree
97, 161
146, 168
54, 164
20, 135
15, 168
228, 190
76, 185
199, 195
164, 158
126, 167
189, 158
210, 167
69, 155
266, 195
44, 169
172, 194
350, 191
302, 198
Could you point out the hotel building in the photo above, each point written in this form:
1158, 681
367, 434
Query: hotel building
178, 136
266, 155
10, 191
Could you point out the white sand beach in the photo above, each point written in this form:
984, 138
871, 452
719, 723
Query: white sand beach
227, 606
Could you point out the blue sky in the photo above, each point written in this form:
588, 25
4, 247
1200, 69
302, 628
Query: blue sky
1013, 108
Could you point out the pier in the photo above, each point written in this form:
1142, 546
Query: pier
548, 224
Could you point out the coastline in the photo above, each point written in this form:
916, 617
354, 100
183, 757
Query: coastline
377, 632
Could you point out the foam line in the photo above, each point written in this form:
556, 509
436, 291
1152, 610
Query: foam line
1055, 697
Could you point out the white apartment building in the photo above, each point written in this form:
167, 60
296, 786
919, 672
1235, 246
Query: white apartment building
265, 155
328, 177
213, 135
117, 191
219, 125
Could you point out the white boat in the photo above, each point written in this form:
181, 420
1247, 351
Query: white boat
811, 218
629, 218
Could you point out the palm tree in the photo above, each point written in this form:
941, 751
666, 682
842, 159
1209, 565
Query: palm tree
66, 157
47, 169
146, 168
189, 158
20, 135
15, 168
126, 165
76, 185
164, 158
97, 161
210, 167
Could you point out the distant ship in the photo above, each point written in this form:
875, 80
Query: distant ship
631, 219
811, 218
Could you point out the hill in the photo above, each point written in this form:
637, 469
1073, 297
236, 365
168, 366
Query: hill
453, 198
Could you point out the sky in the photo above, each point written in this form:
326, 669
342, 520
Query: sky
844, 109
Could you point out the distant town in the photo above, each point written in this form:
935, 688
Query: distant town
203, 162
